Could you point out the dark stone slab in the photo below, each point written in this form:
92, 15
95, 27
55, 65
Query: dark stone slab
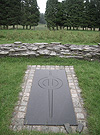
50, 100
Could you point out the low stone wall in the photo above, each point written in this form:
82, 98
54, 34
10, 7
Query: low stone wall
89, 52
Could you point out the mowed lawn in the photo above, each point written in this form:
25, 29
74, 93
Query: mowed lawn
12, 71
42, 34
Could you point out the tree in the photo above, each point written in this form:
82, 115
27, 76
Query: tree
61, 14
74, 13
51, 13
30, 13
2, 12
33, 13
14, 11
97, 4
92, 14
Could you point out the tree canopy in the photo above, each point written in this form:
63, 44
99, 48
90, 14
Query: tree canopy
73, 13
14, 12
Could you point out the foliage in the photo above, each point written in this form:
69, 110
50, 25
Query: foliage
73, 13
15, 12
30, 13
51, 13
10, 12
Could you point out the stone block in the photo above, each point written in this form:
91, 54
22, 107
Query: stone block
21, 115
80, 116
17, 43
22, 108
56, 43
54, 129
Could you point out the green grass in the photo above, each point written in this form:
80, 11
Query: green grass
41, 34
11, 76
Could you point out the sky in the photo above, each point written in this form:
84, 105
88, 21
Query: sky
42, 5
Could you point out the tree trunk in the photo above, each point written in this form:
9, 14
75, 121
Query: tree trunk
7, 27
17, 27
73, 28
26, 26
23, 27
13, 26
77, 28
99, 29
60, 27
70, 28
53, 28
33, 27
56, 27
3, 26
94, 29
91, 28
30, 27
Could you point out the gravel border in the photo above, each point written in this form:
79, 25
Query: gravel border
17, 122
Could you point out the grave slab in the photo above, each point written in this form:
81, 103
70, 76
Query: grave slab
50, 101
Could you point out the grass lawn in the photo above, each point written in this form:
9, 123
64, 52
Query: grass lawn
41, 34
11, 76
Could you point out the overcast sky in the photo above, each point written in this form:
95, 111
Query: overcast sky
42, 5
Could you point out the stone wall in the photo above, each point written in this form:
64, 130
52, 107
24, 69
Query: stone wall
89, 52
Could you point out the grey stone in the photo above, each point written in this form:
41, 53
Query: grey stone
88, 55
20, 49
23, 54
44, 52
31, 53
29, 47
35, 48
68, 128
24, 44
42, 46
98, 54
79, 127
56, 48
76, 102
62, 47
66, 52
78, 110
54, 129
83, 122
22, 108
76, 47
12, 50
17, 43
4, 52
5, 48
53, 53
80, 116
56, 43
20, 115
67, 45
7, 45
99, 44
